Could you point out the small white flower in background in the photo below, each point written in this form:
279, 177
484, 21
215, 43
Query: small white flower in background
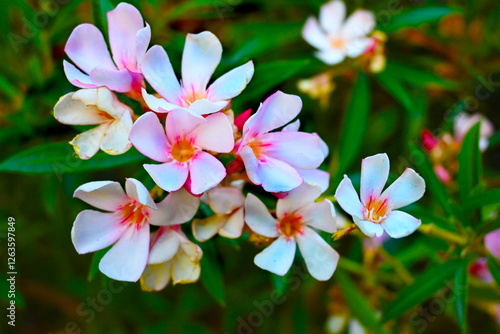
172, 257
376, 211
228, 204
126, 224
335, 38
463, 122
296, 214
91, 107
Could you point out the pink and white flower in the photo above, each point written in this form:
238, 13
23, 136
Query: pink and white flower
129, 40
202, 53
126, 224
228, 205
479, 269
101, 107
463, 122
492, 243
273, 159
172, 257
376, 211
296, 215
182, 150
335, 38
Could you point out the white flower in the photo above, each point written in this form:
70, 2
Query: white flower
463, 122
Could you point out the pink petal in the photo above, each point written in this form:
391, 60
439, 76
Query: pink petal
399, 224
142, 39
408, 188
157, 104
94, 230
492, 243
232, 83
202, 53
148, 137
319, 215
158, 71
216, 134
277, 257
136, 190
314, 35
104, 195
258, 218
205, 106
316, 177
374, 174
177, 208
77, 77
169, 176
294, 126
321, 259
87, 49
348, 199
179, 124
298, 198
119, 81
127, 259
205, 172
331, 16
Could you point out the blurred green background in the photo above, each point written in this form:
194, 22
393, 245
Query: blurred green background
438, 54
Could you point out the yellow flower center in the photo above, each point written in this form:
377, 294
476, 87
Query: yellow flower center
257, 147
376, 210
183, 150
337, 43
290, 225
134, 213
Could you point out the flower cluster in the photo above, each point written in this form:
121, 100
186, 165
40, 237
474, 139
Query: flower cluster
201, 153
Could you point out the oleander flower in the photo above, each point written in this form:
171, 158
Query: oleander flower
273, 159
126, 224
202, 53
228, 205
492, 243
479, 269
463, 122
376, 211
172, 257
101, 107
296, 215
335, 38
129, 39
182, 150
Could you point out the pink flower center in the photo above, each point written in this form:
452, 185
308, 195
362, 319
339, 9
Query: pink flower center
191, 95
134, 213
258, 148
183, 150
290, 225
376, 210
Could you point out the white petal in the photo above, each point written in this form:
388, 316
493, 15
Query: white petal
74, 112
88, 143
358, 46
186, 264
298, 198
316, 177
94, 230
277, 257
158, 104
348, 199
331, 56
224, 200
205, 106
368, 228
331, 16
105, 195
232, 83
408, 188
319, 215
177, 208
234, 225
359, 24
165, 246
314, 35
205, 172
374, 174
321, 259
204, 229
399, 224
156, 276
258, 218
136, 190
115, 140
169, 176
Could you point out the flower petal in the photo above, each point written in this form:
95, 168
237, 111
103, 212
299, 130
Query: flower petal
368, 228
87, 49
319, 215
177, 208
296, 199
232, 83
224, 200
331, 16
321, 259
158, 104
120, 81
331, 56
156, 276
202, 53
94, 230
142, 39
399, 224
205, 106
358, 46
316, 177
115, 140
124, 22
492, 243
127, 259
258, 218
165, 245
158, 71
88, 143
216, 134
179, 124
348, 199
136, 190
408, 188
277, 257
77, 77
186, 264
169, 176
205, 172
314, 35
204, 229
374, 174
74, 112
233, 228
104, 195
149, 138
359, 24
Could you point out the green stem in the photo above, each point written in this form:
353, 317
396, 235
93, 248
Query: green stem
434, 231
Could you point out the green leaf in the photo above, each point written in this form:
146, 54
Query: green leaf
494, 267
356, 302
422, 288
211, 273
481, 199
100, 8
417, 77
186, 7
435, 186
280, 283
395, 87
59, 158
469, 163
460, 290
94, 265
353, 127
416, 16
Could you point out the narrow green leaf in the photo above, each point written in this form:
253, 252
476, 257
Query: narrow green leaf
494, 267
415, 17
435, 186
211, 273
280, 283
395, 87
469, 163
422, 288
460, 291
483, 198
100, 8
357, 303
417, 77
59, 158
353, 126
